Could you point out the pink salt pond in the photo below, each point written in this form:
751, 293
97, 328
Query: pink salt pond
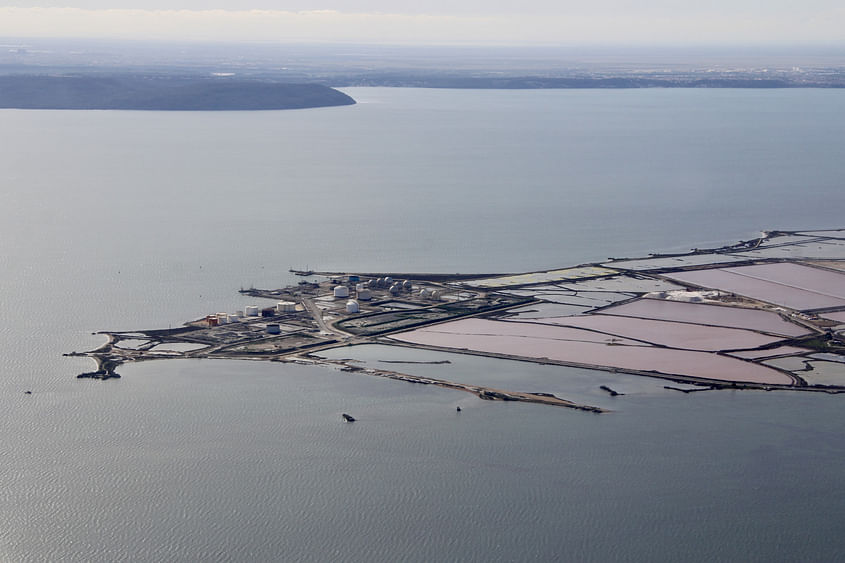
587, 348
716, 315
667, 333
788, 284
838, 316
770, 353
520, 332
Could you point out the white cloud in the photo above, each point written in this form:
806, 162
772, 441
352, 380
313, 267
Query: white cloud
596, 25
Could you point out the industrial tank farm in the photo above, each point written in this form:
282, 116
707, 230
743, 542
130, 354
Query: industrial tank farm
768, 313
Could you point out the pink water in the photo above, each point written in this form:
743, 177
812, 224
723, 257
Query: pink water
768, 291
668, 333
838, 316
798, 276
523, 330
529, 342
751, 319
779, 351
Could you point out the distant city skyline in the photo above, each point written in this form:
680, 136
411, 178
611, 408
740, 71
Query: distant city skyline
435, 22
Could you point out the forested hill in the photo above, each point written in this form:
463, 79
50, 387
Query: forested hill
161, 93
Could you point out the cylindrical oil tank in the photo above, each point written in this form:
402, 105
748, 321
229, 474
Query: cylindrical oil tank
274, 329
341, 291
285, 307
222, 318
364, 294
252, 310
352, 306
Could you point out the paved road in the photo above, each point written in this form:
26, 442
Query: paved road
317, 314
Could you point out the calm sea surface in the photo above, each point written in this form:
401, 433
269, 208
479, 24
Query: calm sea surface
125, 220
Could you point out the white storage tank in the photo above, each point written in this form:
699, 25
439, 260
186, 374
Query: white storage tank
364, 294
407, 285
435, 295
222, 318
286, 307
341, 291
240, 314
352, 306
233, 319
360, 286
252, 310
395, 289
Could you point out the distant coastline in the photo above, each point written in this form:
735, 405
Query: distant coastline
163, 93
609, 82
428, 66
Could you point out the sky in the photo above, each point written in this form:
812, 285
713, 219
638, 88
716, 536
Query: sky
502, 22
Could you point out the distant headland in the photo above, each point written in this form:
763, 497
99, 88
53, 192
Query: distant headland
161, 92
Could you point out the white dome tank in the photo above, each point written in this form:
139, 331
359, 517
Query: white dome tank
352, 306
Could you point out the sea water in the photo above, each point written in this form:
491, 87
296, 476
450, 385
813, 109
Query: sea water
132, 220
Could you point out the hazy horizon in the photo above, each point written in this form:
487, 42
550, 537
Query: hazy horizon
439, 22
20, 50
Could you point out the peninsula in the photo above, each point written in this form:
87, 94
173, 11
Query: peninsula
766, 314
105, 91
